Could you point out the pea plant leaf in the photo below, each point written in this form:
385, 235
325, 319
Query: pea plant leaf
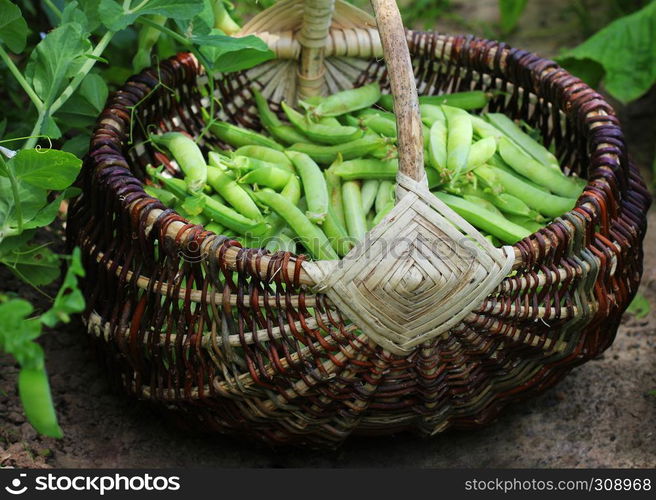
227, 53
83, 107
46, 168
94, 90
115, 18
200, 24
13, 28
69, 299
510, 11
55, 59
35, 173
50, 128
72, 13
90, 9
623, 52
35, 264
639, 306
47, 213
30, 199
18, 333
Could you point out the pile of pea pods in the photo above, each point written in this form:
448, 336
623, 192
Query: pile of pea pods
317, 182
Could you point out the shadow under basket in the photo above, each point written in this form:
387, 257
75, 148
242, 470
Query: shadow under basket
243, 341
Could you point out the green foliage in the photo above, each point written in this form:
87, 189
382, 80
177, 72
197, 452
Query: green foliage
56, 59
423, 12
510, 11
56, 90
13, 28
622, 54
19, 331
115, 17
639, 306
227, 54
25, 182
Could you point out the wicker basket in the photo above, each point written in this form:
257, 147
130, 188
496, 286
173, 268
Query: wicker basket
289, 351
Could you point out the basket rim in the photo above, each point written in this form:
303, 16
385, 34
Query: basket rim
598, 118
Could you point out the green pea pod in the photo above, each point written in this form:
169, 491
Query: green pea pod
367, 168
482, 202
264, 154
198, 219
492, 239
473, 99
166, 197
188, 155
312, 238
347, 101
522, 139
288, 135
233, 193
385, 195
268, 118
310, 102
246, 164
369, 192
273, 177
336, 233
330, 121
314, 186
34, 391
214, 227
385, 152
356, 222
281, 242
434, 179
497, 162
430, 114
350, 120
226, 216
505, 202
525, 222
459, 139
380, 215
386, 101
334, 184
376, 111
437, 149
328, 154
545, 203
318, 132
237, 137
380, 124
483, 129
222, 20
292, 190
219, 160
480, 152
173, 185
488, 221
146, 40
557, 182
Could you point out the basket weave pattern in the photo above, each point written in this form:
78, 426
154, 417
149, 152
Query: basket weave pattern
236, 339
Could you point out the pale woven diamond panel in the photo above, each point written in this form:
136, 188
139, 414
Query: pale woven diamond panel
415, 275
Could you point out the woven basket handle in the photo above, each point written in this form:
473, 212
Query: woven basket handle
402, 82
317, 17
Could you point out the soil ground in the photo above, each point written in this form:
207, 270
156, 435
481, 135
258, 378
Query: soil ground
601, 415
